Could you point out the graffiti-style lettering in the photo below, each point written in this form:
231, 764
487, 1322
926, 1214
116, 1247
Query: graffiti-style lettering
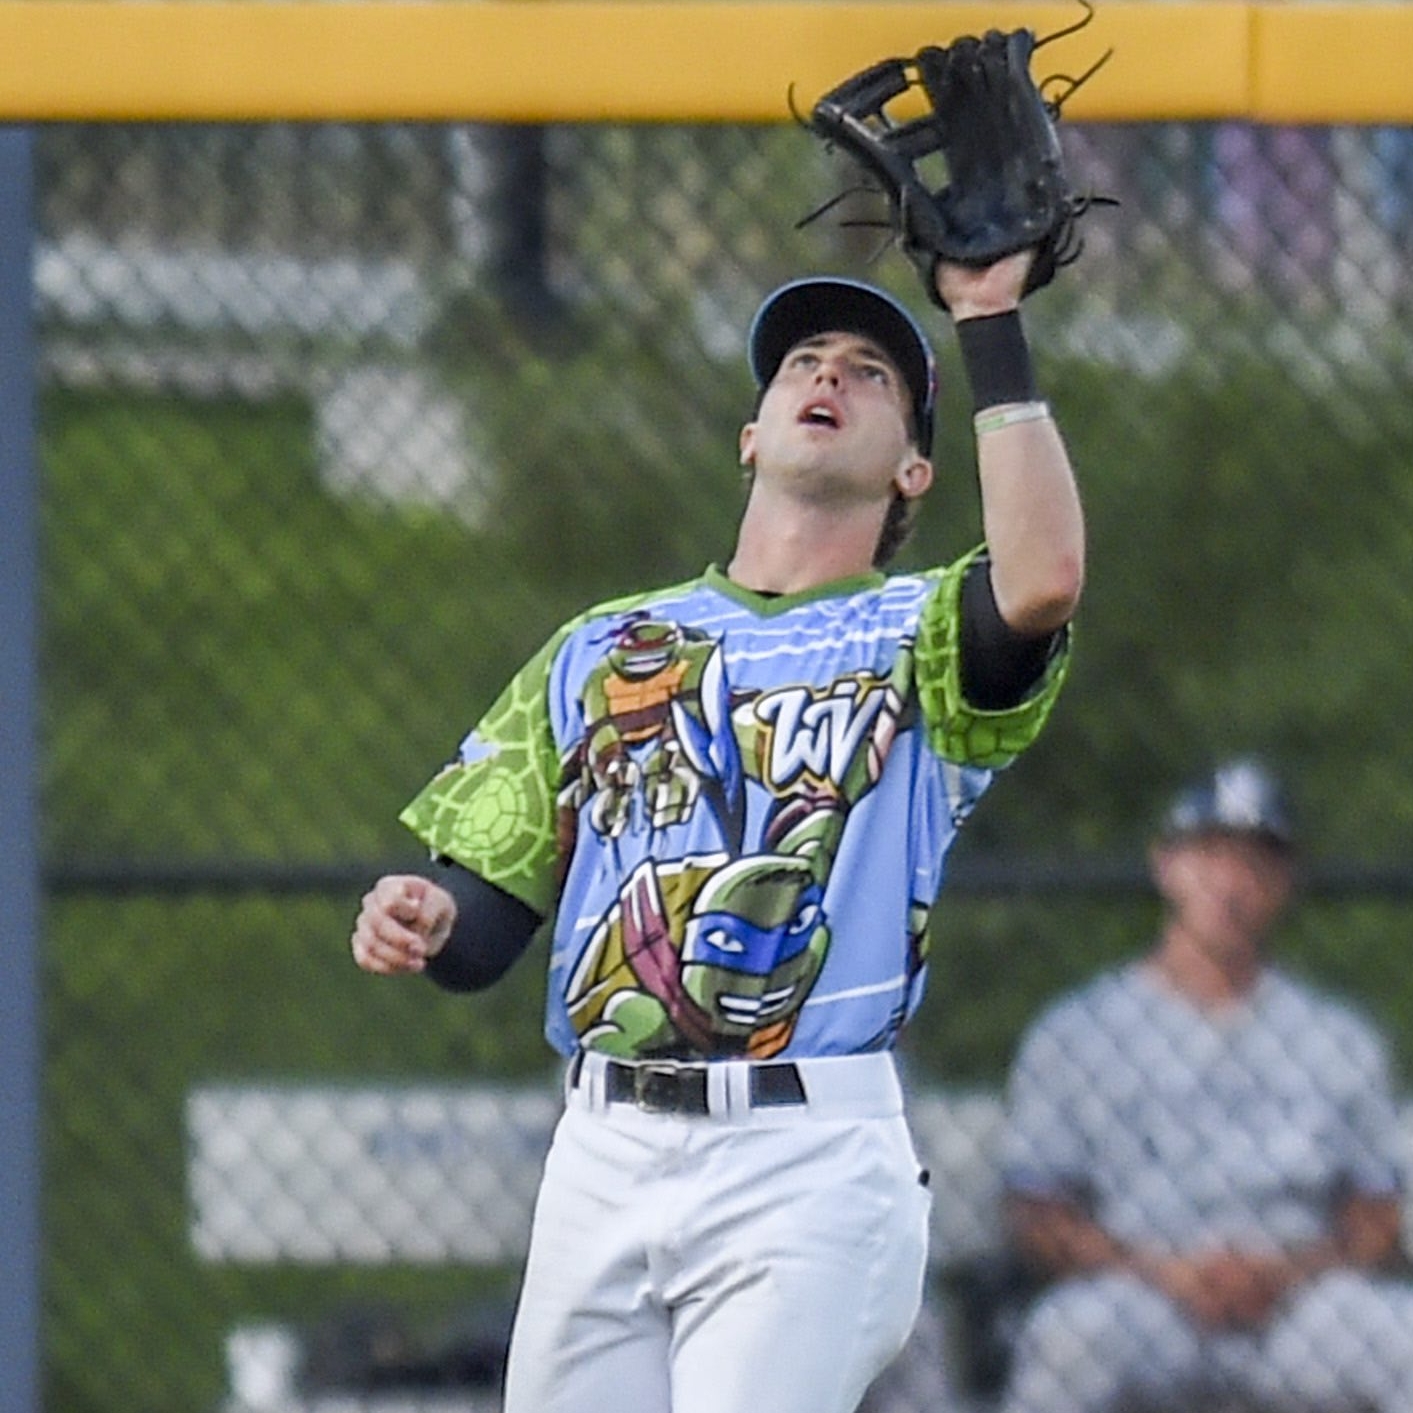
817, 736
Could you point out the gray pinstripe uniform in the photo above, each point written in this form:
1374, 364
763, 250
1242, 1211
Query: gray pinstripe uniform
1180, 1129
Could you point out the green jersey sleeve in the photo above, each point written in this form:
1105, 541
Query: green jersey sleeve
493, 808
957, 730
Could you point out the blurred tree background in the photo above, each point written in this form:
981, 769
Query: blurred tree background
339, 422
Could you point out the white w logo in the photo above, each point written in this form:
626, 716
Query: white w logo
818, 736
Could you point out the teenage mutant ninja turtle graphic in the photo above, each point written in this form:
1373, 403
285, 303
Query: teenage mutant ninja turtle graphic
715, 952
648, 709
718, 953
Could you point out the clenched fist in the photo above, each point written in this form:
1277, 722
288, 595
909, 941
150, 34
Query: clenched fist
405, 919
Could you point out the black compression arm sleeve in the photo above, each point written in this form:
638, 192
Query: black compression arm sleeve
999, 665
491, 930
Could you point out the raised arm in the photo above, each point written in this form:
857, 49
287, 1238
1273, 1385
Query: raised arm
1031, 513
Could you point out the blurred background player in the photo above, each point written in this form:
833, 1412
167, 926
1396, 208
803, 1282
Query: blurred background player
1203, 1155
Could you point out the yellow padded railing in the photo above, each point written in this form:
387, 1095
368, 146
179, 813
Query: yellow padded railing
669, 61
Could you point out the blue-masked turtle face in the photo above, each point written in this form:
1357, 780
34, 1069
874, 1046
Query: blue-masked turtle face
755, 941
726, 940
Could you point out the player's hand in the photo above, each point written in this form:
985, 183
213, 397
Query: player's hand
405, 919
1227, 1290
1248, 1286
972, 292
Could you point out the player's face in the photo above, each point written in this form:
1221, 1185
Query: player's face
1225, 890
835, 419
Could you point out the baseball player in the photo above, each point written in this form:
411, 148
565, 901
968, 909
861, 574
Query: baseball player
735, 796
1204, 1151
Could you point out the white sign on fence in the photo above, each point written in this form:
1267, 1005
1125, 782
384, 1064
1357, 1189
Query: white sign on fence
365, 1174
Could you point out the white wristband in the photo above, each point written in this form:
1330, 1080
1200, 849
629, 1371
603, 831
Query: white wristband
992, 419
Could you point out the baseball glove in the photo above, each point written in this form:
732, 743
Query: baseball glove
987, 124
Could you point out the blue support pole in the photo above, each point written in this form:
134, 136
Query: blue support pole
19, 861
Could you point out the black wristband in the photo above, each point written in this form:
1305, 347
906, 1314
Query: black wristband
996, 358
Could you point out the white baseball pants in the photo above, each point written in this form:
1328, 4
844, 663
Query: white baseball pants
732, 1262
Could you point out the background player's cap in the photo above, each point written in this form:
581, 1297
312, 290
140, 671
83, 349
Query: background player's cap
817, 305
1239, 797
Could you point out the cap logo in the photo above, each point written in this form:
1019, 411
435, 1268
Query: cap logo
1241, 796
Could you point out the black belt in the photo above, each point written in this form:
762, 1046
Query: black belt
667, 1087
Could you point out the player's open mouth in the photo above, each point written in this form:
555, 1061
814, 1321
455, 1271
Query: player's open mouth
819, 414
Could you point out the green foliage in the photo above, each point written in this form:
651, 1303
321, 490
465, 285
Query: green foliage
1239, 599
603, 491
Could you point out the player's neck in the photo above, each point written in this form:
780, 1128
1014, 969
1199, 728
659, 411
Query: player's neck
786, 546
1205, 976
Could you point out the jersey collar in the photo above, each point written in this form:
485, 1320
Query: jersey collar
768, 605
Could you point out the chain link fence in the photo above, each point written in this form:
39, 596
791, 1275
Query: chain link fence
338, 422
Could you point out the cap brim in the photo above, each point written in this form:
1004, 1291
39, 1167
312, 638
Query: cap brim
807, 307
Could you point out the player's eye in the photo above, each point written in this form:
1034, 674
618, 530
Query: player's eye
877, 373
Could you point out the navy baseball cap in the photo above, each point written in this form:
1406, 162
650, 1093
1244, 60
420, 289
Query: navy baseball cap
818, 305
1239, 797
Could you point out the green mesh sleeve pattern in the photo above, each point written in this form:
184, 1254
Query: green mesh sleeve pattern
496, 813
956, 730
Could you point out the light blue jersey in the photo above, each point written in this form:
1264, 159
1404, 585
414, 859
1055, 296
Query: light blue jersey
738, 808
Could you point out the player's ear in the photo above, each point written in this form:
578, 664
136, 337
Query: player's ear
748, 444
914, 477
